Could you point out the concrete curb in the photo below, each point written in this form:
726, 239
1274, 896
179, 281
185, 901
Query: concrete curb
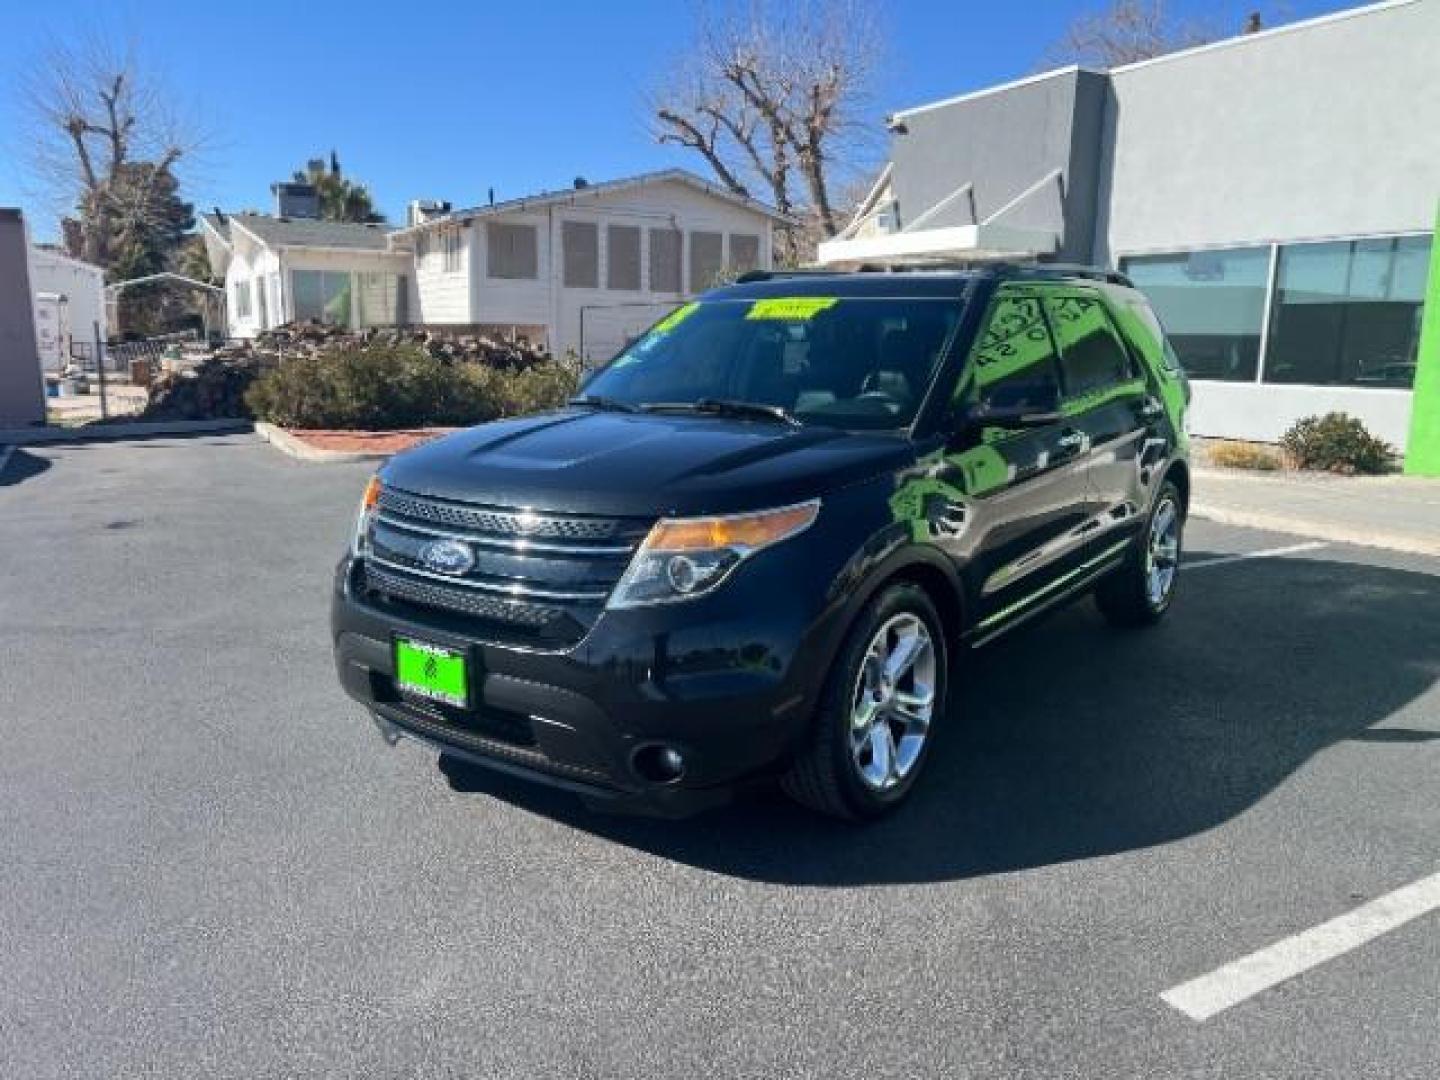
113, 432
1316, 530
299, 449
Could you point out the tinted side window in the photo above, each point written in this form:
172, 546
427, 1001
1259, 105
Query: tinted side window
1091, 354
1014, 360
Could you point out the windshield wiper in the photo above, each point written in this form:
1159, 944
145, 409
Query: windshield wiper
605, 404
726, 407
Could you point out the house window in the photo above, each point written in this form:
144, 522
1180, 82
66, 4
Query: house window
242, 299
380, 299
580, 244
622, 260
511, 251
450, 251
706, 259
1212, 304
744, 252
665, 260
1348, 313
321, 296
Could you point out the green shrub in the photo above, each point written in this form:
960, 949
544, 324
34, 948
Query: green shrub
1244, 455
381, 387
1338, 443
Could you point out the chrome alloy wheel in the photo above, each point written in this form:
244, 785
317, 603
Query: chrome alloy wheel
1162, 553
893, 701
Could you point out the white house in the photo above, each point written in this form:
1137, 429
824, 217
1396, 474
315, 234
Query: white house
580, 269
587, 267
291, 267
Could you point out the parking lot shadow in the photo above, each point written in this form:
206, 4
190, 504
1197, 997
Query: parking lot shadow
21, 466
1069, 740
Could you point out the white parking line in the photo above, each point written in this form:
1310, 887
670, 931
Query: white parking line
1268, 553
1202, 998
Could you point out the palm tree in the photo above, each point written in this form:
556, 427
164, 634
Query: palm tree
341, 199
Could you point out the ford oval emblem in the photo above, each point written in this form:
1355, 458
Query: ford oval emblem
447, 557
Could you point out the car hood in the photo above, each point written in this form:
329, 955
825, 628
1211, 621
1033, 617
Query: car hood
582, 461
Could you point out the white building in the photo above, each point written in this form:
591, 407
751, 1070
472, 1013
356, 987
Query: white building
69, 304
580, 269
1274, 194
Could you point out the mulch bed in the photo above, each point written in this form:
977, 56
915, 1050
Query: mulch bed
367, 442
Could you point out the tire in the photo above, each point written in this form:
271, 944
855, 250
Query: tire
1132, 595
857, 774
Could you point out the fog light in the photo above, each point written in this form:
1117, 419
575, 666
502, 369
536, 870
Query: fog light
659, 764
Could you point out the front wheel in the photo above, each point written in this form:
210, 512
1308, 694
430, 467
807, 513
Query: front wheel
1139, 591
871, 734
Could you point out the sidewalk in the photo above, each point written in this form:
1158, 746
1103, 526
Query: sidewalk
1397, 512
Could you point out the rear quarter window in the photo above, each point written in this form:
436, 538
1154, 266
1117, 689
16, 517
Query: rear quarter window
1153, 332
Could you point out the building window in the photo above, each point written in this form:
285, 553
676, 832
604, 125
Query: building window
321, 296
450, 251
665, 260
512, 252
580, 249
380, 299
242, 299
706, 259
744, 252
1347, 313
1091, 356
622, 258
1212, 304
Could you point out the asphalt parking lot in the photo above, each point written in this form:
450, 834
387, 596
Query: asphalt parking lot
213, 867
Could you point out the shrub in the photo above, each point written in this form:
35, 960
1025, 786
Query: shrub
380, 387
1336, 442
1244, 455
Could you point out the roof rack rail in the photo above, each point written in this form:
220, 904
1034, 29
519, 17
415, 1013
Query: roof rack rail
1048, 271
771, 275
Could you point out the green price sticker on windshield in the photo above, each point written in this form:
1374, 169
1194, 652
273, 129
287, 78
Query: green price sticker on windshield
674, 319
791, 308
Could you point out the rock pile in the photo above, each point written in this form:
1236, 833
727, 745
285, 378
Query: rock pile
309, 338
212, 390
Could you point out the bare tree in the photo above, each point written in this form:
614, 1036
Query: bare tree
1128, 31
105, 139
775, 100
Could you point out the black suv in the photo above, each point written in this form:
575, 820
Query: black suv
758, 539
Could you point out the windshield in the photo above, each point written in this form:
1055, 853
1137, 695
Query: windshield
853, 362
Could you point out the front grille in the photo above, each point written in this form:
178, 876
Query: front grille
443, 729
497, 522
534, 573
464, 601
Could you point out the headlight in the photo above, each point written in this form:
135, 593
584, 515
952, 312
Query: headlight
683, 558
360, 538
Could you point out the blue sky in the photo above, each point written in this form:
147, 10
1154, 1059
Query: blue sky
445, 100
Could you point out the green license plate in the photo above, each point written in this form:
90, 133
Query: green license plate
431, 671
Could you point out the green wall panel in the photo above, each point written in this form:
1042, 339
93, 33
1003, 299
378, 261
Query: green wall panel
1422, 452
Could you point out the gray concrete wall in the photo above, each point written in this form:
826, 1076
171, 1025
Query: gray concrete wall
1328, 129
22, 389
1003, 141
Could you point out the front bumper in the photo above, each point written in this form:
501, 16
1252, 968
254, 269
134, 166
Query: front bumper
728, 682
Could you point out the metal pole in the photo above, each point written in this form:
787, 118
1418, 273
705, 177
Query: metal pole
100, 369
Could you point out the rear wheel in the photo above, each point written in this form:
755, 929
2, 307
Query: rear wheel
871, 734
1139, 591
